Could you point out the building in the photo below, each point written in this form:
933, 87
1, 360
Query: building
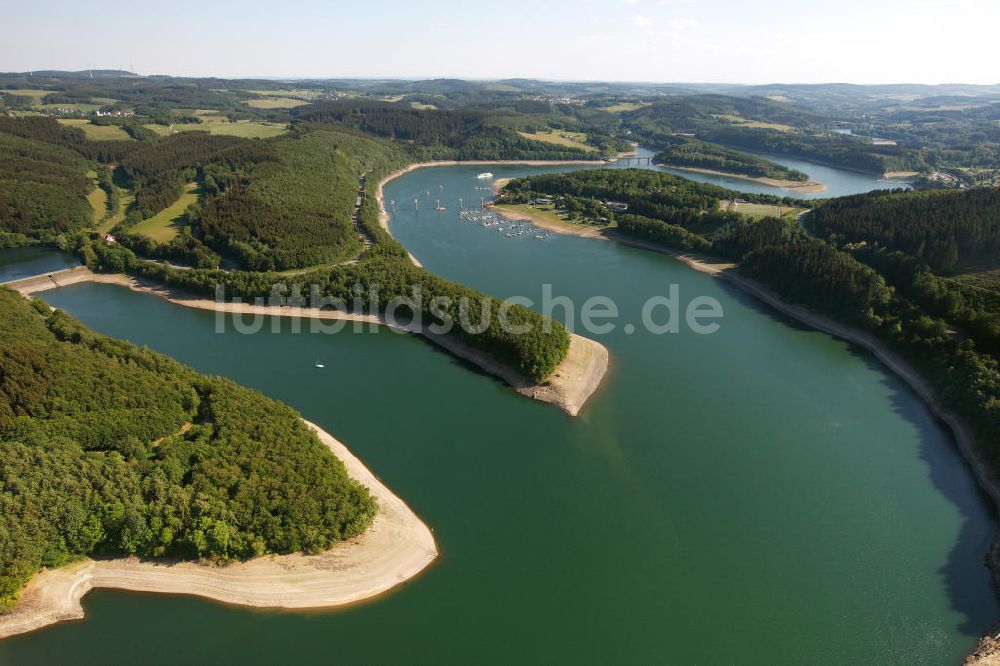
616, 206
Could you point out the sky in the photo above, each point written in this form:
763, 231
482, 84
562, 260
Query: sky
724, 41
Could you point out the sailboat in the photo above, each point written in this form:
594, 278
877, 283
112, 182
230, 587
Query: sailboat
439, 206
320, 364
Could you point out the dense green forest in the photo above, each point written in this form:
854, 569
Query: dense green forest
43, 189
291, 207
111, 449
948, 230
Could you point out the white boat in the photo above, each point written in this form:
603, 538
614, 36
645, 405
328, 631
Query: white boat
486, 175
319, 364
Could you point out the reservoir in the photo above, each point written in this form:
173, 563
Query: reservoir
764, 494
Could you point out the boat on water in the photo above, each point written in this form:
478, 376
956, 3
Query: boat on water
439, 206
320, 364
486, 175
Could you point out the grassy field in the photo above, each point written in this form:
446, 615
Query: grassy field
989, 280
82, 107
761, 210
547, 215
560, 138
96, 132
275, 103
35, 95
420, 106
98, 199
161, 130
623, 107
166, 224
299, 93
124, 201
219, 125
746, 122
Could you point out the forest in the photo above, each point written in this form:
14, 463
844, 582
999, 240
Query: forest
465, 134
43, 189
110, 449
950, 231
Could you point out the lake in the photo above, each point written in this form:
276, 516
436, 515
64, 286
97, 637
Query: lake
765, 494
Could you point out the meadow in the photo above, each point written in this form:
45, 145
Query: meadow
561, 138
165, 225
96, 132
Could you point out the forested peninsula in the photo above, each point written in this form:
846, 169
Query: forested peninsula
111, 450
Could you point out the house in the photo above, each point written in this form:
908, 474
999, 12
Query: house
616, 206
109, 239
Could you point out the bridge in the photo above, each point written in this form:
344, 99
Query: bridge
627, 161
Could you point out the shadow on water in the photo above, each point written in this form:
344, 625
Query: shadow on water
949, 472
953, 477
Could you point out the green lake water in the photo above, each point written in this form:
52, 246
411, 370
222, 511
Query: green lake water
839, 182
766, 494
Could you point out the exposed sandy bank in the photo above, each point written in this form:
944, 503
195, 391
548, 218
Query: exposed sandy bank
569, 387
396, 548
796, 185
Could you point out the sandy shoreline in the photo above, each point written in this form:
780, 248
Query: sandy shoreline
569, 387
397, 547
796, 185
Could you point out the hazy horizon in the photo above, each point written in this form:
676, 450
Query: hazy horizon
630, 41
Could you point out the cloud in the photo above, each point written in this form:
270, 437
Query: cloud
631, 2
641, 21
679, 24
